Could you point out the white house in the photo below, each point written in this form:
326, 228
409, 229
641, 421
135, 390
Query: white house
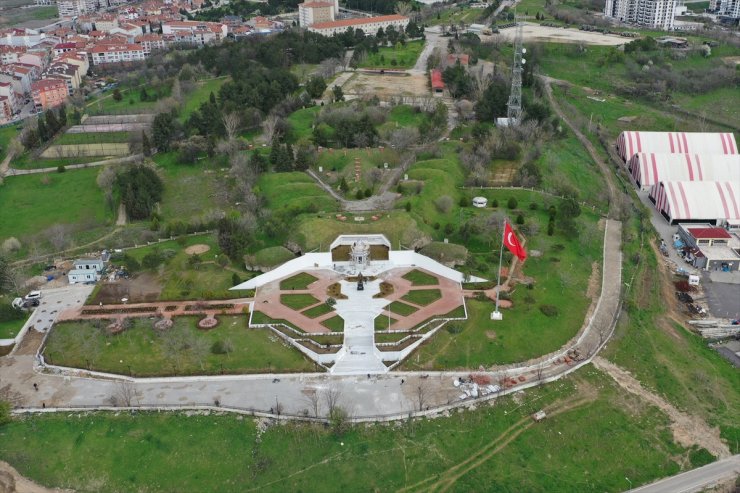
85, 270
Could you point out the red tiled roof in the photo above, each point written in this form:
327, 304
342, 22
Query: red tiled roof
437, 82
358, 22
709, 233
46, 84
316, 4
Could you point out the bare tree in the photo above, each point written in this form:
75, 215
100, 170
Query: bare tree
232, 122
123, 394
314, 400
403, 138
329, 67
540, 370
421, 394
332, 396
403, 8
58, 236
270, 126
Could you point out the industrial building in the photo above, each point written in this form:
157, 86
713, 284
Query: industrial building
648, 169
630, 143
711, 202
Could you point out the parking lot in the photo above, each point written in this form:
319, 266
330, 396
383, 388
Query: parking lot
722, 294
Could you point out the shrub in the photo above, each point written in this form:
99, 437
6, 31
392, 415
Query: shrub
449, 228
330, 301
368, 193
11, 245
444, 204
549, 310
533, 206
520, 219
235, 279
8, 313
464, 202
550, 228
61, 169
407, 206
360, 195
454, 328
494, 203
437, 225
512, 203
221, 347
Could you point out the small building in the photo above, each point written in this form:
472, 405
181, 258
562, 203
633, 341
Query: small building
438, 85
462, 58
711, 247
85, 270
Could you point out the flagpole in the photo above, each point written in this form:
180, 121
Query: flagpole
496, 315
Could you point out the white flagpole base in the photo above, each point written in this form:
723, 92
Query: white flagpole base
496, 315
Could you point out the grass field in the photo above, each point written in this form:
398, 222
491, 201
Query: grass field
298, 281
182, 350
294, 192
301, 122
422, 297
200, 95
401, 308
404, 56
335, 323
31, 203
298, 301
182, 279
19, 16
317, 232
93, 138
318, 310
570, 451
191, 191
419, 278
7, 134
10, 328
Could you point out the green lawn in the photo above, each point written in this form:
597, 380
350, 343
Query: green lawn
318, 310
422, 297
299, 281
301, 122
419, 278
404, 56
585, 446
381, 322
182, 350
182, 278
294, 193
401, 308
15, 17
335, 323
273, 256
192, 191
298, 301
7, 134
200, 95
9, 329
31, 203
130, 103
93, 138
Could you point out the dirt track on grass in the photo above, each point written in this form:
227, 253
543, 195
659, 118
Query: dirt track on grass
687, 429
11, 481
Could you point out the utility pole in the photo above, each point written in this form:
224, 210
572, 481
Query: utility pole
514, 106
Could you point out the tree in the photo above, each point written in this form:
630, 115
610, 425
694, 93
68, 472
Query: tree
7, 276
164, 130
338, 94
146, 146
232, 122
139, 188
492, 104
117, 94
144, 96
62, 116
234, 237
316, 86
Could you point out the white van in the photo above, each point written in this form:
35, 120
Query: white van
480, 202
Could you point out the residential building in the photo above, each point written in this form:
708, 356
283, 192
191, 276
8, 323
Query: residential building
366, 24
76, 8
150, 43
49, 93
656, 14
729, 8
14, 99
122, 53
105, 22
310, 13
71, 74
15, 82
10, 54
76, 58
198, 33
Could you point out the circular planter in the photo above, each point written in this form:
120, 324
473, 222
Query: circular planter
207, 323
163, 324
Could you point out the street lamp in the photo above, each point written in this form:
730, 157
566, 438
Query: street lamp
628, 480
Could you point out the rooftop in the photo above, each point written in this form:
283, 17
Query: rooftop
359, 22
709, 233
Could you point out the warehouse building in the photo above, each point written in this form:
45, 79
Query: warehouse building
630, 143
713, 202
648, 169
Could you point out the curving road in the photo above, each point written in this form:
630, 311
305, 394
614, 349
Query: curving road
697, 479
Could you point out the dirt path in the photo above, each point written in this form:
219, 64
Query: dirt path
5, 165
12, 482
606, 172
380, 202
687, 430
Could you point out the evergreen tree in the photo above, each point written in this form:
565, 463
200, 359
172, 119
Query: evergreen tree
52, 124
144, 96
343, 186
76, 117
62, 116
338, 94
117, 96
42, 130
258, 162
146, 146
140, 188
274, 156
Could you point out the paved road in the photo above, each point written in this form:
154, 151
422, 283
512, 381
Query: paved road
696, 479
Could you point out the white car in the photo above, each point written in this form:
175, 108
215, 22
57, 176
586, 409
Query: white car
33, 295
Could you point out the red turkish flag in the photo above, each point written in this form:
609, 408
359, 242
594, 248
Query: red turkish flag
512, 243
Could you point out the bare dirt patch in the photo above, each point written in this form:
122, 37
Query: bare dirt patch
491, 334
688, 430
386, 86
197, 249
144, 288
12, 482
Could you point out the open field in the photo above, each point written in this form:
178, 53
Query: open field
535, 33
7, 134
181, 350
387, 86
200, 95
27, 16
301, 122
394, 56
10, 328
29, 204
92, 138
491, 449
294, 192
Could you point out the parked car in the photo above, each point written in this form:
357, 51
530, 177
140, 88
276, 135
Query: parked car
21, 304
33, 295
